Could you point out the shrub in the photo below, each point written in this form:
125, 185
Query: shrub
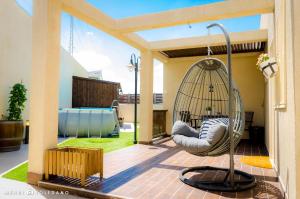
17, 101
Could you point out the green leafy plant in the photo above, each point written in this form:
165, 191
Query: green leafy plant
16, 102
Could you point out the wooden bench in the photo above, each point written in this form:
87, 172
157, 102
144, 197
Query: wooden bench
73, 162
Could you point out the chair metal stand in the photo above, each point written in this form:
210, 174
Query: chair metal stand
242, 181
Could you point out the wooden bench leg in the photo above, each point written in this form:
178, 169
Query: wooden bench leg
82, 181
46, 166
101, 164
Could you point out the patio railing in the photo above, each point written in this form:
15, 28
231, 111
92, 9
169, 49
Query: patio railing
129, 98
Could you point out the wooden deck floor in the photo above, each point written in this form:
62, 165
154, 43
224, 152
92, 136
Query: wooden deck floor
151, 171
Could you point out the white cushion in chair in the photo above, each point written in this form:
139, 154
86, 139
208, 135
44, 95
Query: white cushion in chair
207, 123
215, 133
192, 144
181, 128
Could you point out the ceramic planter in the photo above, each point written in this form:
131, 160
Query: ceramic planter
269, 68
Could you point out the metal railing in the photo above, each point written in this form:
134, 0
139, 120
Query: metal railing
129, 98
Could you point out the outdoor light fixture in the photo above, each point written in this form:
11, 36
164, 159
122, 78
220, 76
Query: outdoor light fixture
134, 66
26, 139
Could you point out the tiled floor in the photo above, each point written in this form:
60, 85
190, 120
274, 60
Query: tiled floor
144, 171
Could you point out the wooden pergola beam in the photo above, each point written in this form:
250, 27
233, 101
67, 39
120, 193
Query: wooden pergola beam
159, 56
93, 16
212, 40
196, 14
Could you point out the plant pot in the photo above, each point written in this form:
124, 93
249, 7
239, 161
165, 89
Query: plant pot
269, 68
11, 135
208, 112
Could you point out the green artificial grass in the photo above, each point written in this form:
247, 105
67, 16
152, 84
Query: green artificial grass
19, 173
107, 144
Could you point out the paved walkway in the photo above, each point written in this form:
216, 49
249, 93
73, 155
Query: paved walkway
11, 159
14, 189
127, 127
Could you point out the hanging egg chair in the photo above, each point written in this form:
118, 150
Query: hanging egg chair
203, 95
208, 119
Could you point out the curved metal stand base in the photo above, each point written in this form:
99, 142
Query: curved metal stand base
246, 181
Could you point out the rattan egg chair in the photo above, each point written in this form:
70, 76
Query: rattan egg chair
206, 97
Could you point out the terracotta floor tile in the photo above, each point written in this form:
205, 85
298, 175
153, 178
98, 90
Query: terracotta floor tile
151, 171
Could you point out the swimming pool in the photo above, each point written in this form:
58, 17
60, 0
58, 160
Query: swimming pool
88, 122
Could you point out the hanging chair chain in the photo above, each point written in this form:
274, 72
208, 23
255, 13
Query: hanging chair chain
209, 51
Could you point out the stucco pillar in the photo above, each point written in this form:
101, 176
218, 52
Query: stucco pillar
146, 97
296, 45
44, 90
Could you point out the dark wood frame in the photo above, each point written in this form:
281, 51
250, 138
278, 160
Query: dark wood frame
93, 93
159, 123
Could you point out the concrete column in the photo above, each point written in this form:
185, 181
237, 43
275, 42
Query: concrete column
44, 90
146, 97
296, 59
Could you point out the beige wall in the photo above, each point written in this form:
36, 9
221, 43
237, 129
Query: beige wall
127, 111
283, 138
15, 51
16, 56
249, 80
68, 67
296, 48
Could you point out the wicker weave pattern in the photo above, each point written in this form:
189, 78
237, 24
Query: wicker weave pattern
203, 93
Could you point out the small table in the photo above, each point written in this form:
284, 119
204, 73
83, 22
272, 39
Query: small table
257, 134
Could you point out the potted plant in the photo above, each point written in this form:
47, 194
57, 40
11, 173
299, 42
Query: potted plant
208, 109
12, 127
267, 65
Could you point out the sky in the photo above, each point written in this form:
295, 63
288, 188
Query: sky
96, 50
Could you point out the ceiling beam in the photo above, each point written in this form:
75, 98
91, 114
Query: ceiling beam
159, 56
196, 14
212, 40
94, 17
